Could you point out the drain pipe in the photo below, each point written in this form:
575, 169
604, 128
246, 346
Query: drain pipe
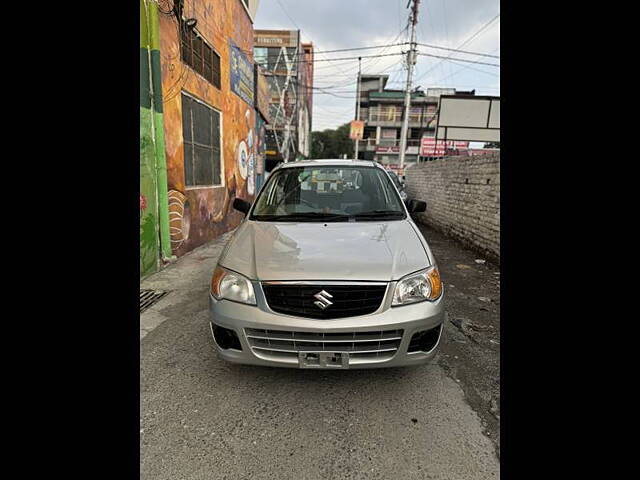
157, 124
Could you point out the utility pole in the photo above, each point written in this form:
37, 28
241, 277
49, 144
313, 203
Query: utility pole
411, 61
358, 105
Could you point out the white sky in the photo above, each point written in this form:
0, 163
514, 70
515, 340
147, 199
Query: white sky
336, 24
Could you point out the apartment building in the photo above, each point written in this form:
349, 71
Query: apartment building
382, 110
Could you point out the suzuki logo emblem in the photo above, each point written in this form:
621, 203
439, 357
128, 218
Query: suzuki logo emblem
323, 299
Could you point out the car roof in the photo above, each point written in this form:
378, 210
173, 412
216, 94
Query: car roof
329, 162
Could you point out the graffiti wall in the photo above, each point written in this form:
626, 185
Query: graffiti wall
197, 214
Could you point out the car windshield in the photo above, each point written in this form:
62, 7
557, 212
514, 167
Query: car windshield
328, 194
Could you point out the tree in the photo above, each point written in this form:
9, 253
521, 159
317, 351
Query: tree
332, 143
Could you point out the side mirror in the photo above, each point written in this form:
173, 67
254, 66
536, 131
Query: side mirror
416, 206
241, 205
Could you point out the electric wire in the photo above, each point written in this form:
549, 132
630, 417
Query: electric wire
459, 59
464, 67
458, 50
483, 28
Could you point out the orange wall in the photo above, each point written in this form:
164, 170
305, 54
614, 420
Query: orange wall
198, 215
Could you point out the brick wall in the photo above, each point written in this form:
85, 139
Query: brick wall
463, 199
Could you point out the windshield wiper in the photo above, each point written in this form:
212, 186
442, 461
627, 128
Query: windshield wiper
374, 214
326, 217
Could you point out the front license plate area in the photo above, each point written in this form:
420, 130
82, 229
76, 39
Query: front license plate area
323, 359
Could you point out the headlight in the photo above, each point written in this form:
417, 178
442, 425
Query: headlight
232, 286
418, 288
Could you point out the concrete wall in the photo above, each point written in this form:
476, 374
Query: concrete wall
463, 199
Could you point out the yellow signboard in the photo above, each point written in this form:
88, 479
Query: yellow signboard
357, 130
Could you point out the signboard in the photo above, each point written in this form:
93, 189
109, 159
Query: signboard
472, 118
380, 149
241, 74
263, 94
391, 149
275, 38
357, 130
428, 147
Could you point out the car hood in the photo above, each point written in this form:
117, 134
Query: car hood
367, 251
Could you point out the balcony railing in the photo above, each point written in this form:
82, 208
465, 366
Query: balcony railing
385, 143
377, 115
395, 142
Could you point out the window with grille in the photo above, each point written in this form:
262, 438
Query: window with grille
200, 56
201, 133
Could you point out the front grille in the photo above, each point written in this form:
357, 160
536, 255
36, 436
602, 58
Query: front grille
348, 300
363, 347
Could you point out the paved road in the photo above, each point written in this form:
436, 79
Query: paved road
202, 418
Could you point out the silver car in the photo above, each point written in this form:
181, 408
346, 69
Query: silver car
327, 271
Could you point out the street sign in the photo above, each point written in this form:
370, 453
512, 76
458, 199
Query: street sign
357, 130
428, 147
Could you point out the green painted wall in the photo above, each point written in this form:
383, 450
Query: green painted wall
154, 225
149, 238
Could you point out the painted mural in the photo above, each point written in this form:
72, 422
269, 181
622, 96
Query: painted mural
200, 214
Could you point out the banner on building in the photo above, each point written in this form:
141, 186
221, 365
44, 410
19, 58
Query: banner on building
357, 130
411, 150
241, 74
429, 148
275, 38
383, 149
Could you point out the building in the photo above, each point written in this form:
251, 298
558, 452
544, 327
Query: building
199, 128
382, 110
288, 65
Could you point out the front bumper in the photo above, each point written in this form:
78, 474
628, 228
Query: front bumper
408, 318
